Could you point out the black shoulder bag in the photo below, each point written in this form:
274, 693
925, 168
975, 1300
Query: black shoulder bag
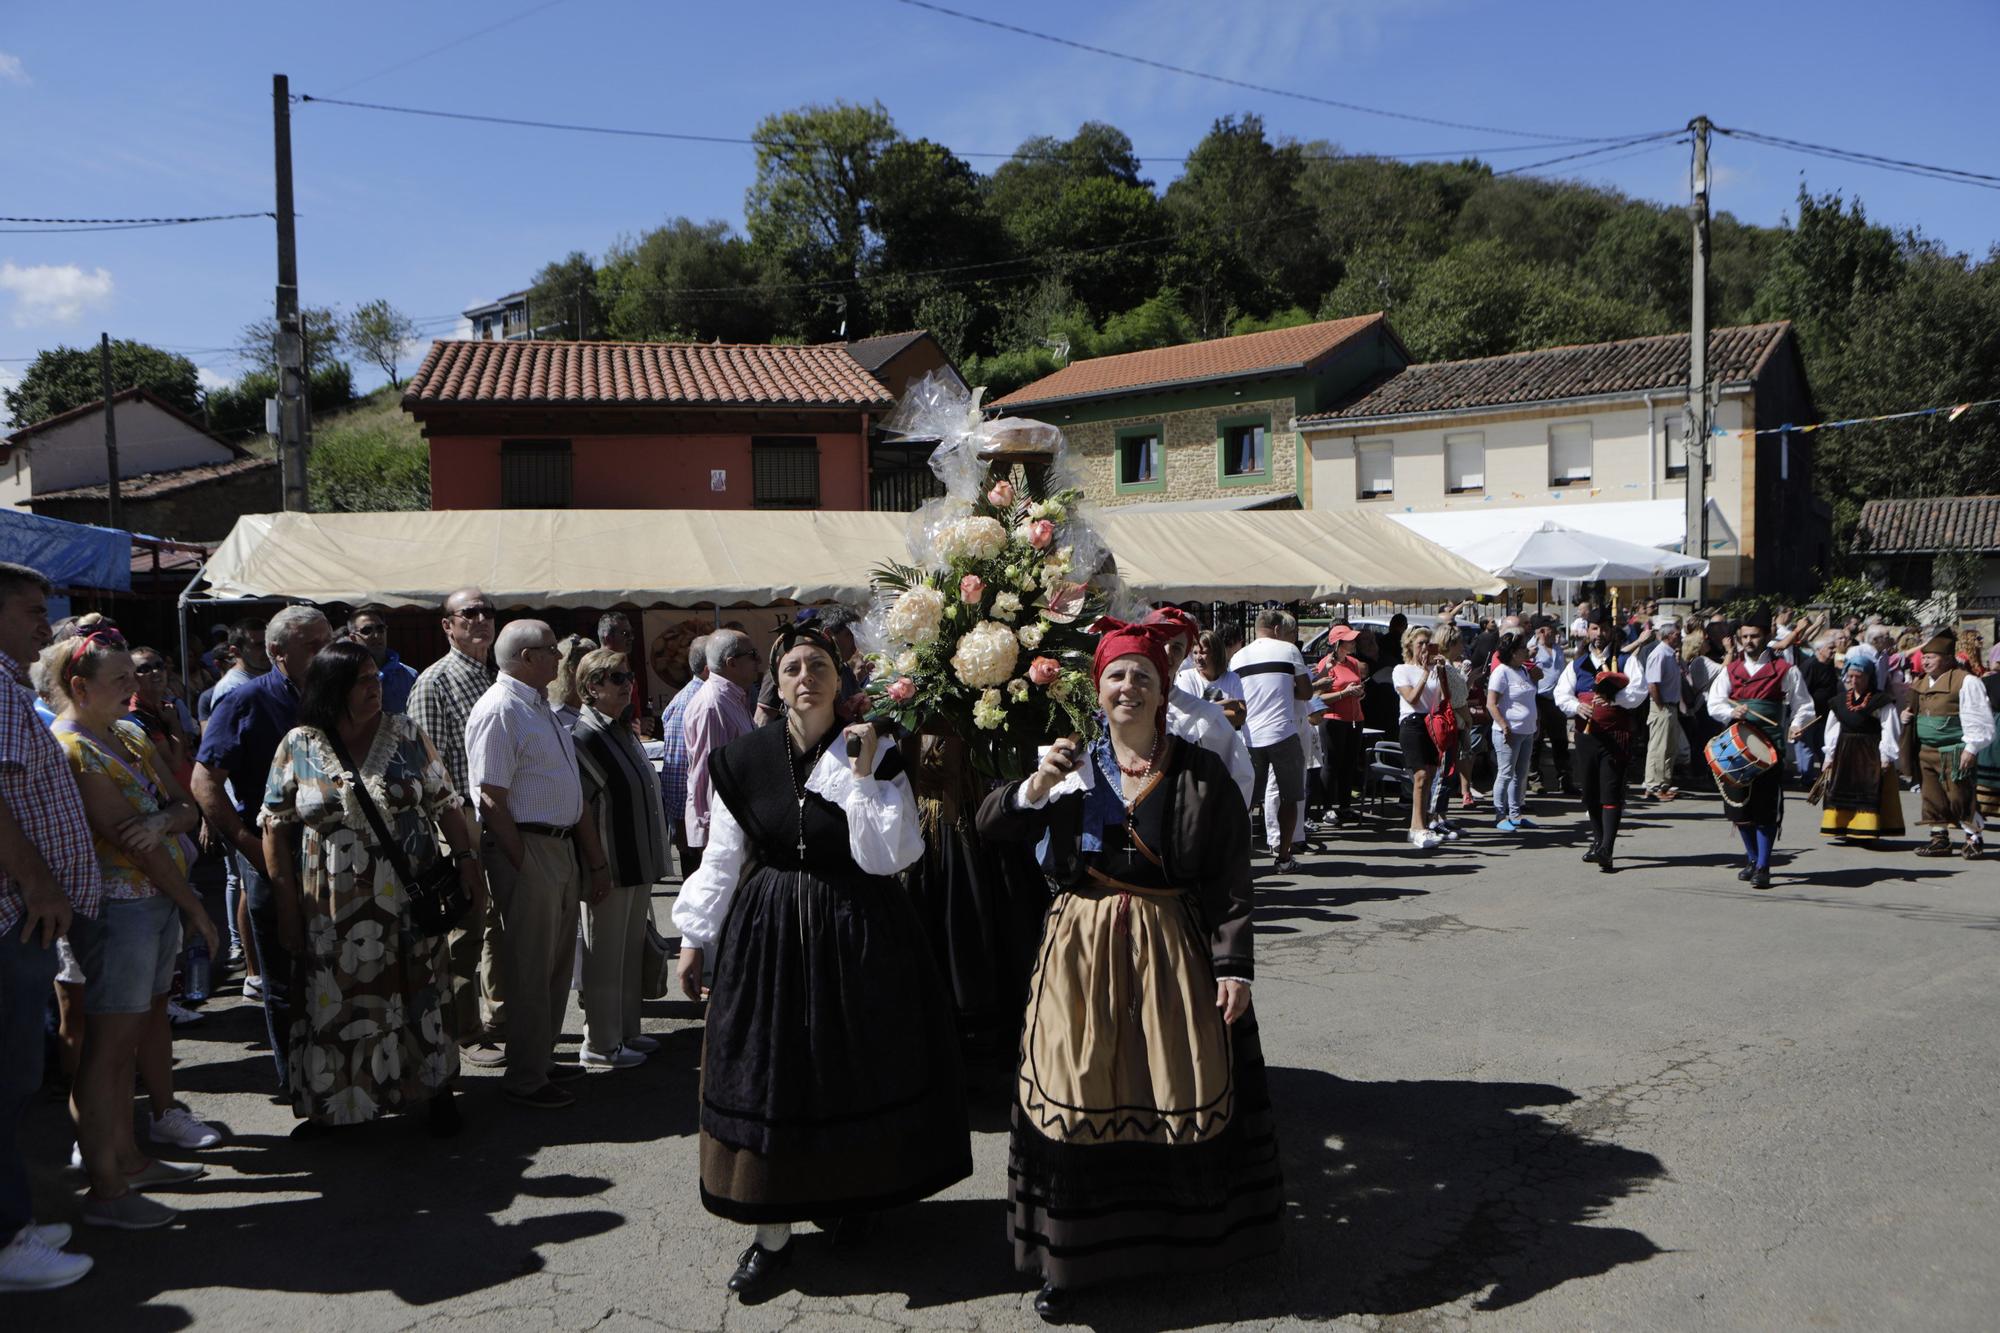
437, 900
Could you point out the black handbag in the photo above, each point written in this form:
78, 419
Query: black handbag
438, 901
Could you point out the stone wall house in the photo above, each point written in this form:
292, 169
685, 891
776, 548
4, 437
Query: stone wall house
195, 504
1206, 424
64, 452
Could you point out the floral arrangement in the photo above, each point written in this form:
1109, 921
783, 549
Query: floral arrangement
985, 632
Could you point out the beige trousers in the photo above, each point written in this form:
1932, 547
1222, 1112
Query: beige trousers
614, 946
1663, 745
538, 910
478, 996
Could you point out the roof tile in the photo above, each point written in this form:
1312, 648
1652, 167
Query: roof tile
1938, 523
152, 485
1631, 366
643, 374
1270, 352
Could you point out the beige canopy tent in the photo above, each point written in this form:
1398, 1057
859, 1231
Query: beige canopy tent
749, 558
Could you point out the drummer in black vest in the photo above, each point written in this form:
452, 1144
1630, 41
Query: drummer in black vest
1763, 693
1602, 691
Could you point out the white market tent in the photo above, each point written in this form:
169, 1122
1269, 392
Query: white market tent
1552, 551
750, 558
1661, 523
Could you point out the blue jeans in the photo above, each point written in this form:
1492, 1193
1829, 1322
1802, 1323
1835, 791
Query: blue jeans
27, 977
274, 962
232, 891
1514, 755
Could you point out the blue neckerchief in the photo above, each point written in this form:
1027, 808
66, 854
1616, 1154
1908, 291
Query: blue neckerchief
1103, 802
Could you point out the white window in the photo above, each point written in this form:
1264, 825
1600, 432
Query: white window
1375, 469
1674, 426
1569, 454
1465, 462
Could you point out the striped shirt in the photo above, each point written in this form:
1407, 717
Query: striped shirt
441, 701
621, 788
41, 794
512, 740
674, 757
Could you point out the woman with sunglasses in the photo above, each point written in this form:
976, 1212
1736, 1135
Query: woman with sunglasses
566, 690
623, 794
139, 820
161, 715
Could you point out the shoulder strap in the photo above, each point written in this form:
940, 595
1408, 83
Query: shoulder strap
388, 845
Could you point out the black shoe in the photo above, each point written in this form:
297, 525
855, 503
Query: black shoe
1762, 879
445, 1121
1052, 1303
565, 1073
758, 1268
1746, 873
1592, 852
850, 1232
1604, 862
1936, 847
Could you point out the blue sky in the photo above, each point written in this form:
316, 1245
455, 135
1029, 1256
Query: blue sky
152, 109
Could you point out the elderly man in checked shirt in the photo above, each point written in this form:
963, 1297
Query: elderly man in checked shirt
674, 761
48, 874
440, 703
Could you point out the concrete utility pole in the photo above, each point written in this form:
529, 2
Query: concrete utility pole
291, 347
113, 507
1697, 415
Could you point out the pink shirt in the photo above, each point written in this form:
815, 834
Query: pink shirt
717, 715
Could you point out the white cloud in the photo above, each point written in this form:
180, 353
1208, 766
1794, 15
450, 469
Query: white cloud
53, 293
8, 379
211, 380
11, 70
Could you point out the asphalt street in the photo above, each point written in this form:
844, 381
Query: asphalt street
1513, 1093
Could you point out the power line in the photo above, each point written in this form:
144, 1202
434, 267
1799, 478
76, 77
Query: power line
1649, 140
45, 226
1956, 175
1242, 83
457, 41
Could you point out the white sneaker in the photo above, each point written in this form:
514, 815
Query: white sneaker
1424, 841
621, 1057
30, 1264
180, 1016
182, 1130
643, 1044
76, 1156
55, 1235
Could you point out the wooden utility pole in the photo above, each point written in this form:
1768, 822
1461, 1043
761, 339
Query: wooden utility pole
1698, 424
113, 506
291, 346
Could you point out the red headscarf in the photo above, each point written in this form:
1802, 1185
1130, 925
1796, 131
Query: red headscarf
1178, 623
1118, 638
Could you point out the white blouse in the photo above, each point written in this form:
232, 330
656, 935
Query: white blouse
884, 834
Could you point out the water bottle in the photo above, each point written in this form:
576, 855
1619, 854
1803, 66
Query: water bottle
194, 985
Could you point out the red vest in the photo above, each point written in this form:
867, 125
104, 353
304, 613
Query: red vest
1768, 684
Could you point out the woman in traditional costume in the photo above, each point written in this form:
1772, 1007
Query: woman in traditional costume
831, 1085
1142, 1137
1864, 801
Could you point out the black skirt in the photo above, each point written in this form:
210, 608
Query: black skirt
831, 1081
981, 905
1419, 750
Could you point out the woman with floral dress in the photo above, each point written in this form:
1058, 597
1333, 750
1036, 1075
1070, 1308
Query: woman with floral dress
370, 1034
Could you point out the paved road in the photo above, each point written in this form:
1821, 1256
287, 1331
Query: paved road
1514, 1093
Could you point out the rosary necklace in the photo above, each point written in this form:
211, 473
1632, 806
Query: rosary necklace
812, 758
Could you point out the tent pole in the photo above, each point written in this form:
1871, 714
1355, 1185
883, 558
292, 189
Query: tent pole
181, 613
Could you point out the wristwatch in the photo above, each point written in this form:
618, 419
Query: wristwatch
460, 858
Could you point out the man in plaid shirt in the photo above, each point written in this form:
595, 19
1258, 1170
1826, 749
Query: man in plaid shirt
674, 759
440, 702
48, 874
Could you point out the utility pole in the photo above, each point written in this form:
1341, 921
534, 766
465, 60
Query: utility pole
291, 347
1697, 422
113, 507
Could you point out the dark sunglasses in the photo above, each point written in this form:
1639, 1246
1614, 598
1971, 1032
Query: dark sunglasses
474, 613
150, 669
618, 677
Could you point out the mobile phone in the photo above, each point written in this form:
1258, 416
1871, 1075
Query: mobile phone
853, 746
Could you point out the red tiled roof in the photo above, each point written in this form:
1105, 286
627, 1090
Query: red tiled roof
1941, 523
132, 395
1273, 352
641, 374
152, 485
1549, 374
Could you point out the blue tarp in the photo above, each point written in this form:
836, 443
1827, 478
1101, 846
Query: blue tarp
70, 555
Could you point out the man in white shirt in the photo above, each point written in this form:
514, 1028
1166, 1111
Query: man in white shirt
1275, 678
1663, 723
522, 767
1551, 729
1193, 718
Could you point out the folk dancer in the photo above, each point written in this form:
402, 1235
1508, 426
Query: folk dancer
1954, 723
1601, 690
1761, 690
1864, 735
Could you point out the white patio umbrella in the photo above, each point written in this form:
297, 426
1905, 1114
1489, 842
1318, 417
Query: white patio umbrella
1551, 551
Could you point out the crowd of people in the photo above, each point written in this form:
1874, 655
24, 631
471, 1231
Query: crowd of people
421, 865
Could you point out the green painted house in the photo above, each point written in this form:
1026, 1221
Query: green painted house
1207, 424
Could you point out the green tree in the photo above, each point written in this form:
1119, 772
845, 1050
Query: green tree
63, 378
325, 333
1479, 300
380, 333
808, 206
1244, 247
1044, 166
1831, 259
563, 300
1102, 237
686, 280
925, 212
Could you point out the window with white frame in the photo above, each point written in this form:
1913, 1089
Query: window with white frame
1674, 428
1465, 462
1569, 454
1375, 469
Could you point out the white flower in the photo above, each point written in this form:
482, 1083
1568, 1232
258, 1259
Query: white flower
361, 950
391, 896
1006, 606
431, 1025
1031, 635
1052, 510
359, 1028
434, 1070
350, 1106
1017, 689
320, 938
975, 538
989, 712
392, 1014
319, 1068
1027, 582
322, 998
346, 854
915, 616
985, 654
385, 1062
906, 663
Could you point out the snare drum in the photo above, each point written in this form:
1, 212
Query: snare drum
1741, 754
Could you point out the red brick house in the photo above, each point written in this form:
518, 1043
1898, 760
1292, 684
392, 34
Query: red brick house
589, 425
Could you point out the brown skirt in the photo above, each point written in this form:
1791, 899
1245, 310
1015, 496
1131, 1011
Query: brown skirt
1142, 1133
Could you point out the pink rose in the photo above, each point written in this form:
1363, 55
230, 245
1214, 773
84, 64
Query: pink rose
971, 588
1002, 495
902, 689
1041, 534
1044, 670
